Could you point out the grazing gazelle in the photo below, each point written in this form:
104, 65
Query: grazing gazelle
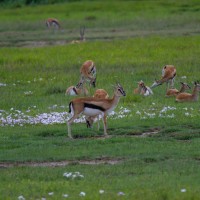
99, 94
143, 89
91, 106
52, 22
79, 89
174, 92
168, 76
82, 36
88, 72
187, 97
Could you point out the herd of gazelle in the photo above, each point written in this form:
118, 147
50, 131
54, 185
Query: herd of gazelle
101, 105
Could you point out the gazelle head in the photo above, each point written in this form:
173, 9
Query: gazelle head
119, 91
156, 83
197, 85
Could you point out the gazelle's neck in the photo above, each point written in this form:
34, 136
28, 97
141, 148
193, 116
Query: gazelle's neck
114, 101
195, 93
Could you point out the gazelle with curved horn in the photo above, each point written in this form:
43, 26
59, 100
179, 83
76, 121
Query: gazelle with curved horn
168, 76
79, 89
88, 72
52, 22
82, 36
187, 97
91, 106
174, 92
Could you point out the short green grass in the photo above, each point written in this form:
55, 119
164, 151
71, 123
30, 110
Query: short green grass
128, 41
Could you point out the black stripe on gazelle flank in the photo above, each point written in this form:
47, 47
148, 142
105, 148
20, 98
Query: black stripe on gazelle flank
89, 105
70, 107
74, 89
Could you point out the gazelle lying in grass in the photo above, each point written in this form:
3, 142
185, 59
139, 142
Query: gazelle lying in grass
174, 92
79, 89
91, 106
88, 72
142, 89
187, 97
99, 94
51, 22
82, 36
168, 77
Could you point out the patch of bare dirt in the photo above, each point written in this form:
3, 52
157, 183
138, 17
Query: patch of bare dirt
110, 161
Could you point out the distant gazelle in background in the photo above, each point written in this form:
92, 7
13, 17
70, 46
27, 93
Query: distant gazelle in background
88, 72
174, 92
99, 94
142, 89
82, 36
187, 97
52, 23
91, 106
168, 77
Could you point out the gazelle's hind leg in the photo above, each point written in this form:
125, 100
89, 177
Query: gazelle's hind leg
104, 124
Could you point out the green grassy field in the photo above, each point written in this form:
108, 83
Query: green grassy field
153, 149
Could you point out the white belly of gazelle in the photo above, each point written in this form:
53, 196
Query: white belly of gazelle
91, 112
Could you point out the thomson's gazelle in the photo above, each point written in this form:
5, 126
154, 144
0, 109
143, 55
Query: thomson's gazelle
168, 76
88, 72
51, 22
187, 97
91, 106
79, 89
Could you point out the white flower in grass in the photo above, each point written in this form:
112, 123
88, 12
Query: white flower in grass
43, 198
65, 195
67, 175
120, 194
183, 190
138, 112
50, 193
183, 77
101, 191
21, 197
2, 84
82, 194
187, 114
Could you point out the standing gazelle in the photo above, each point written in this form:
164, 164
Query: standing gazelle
168, 76
91, 106
174, 92
88, 72
52, 22
187, 97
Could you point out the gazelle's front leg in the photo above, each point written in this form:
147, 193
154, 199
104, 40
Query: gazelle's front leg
69, 122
